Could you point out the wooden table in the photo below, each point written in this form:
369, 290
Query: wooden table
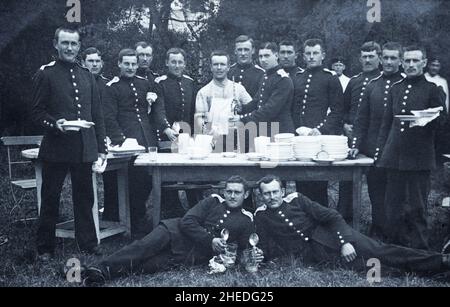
171, 167
103, 229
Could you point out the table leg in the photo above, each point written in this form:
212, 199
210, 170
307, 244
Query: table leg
156, 196
357, 190
38, 174
124, 200
95, 207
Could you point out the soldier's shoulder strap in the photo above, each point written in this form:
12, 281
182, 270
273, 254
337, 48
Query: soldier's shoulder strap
261, 208
188, 77
403, 75
259, 67
247, 213
218, 197
329, 71
139, 77
114, 80
356, 76
234, 65
290, 197
52, 63
161, 78
282, 73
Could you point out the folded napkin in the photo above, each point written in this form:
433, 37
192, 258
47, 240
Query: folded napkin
425, 120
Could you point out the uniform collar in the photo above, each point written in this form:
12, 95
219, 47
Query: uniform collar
127, 79
66, 64
414, 80
314, 69
244, 66
373, 73
291, 70
172, 76
397, 75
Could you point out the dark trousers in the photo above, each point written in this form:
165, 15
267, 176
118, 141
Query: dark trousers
376, 184
148, 255
390, 256
53, 175
315, 190
406, 206
140, 186
111, 201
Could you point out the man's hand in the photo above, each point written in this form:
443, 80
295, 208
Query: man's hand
218, 245
103, 157
257, 255
315, 132
353, 153
348, 130
59, 122
238, 107
348, 252
171, 134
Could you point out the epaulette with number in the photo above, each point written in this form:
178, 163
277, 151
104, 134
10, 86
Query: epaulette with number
47, 65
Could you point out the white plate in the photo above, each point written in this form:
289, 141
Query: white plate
424, 113
198, 157
324, 161
253, 156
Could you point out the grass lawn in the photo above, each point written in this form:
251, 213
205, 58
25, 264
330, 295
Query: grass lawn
18, 265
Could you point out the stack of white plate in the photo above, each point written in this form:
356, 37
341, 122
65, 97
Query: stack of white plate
279, 151
335, 146
306, 147
284, 138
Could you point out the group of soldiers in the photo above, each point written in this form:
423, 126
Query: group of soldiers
155, 109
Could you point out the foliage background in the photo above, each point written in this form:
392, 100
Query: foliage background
27, 29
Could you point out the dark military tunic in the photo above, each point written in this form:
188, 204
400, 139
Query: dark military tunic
316, 91
126, 110
272, 103
370, 114
354, 93
69, 91
185, 240
176, 103
305, 228
409, 155
402, 147
101, 84
249, 75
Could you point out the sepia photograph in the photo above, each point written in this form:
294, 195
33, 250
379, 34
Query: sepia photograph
224, 149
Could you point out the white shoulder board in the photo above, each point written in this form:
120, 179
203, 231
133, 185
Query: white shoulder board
261, 208
245, 212
48, 65
282, 73
114, 80
329, 71
187, 77
290, 197
221, 200
162, 78
403, 74
356, 76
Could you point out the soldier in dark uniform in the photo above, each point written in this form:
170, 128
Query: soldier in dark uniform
296, 225
353, 96
127, 116
190, 240
272, 103
63, 90
144, 52
367, 126
407, 150
174, 110
244, 71
318, 102
288, 56
92, 60
177, 101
